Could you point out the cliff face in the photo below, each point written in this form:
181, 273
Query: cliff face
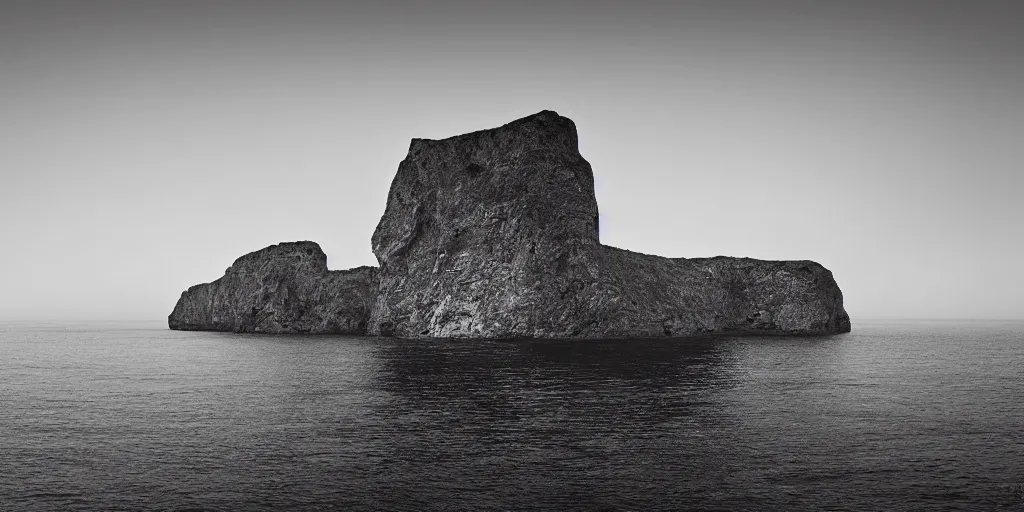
489, 234
651, 296
494, 234
284, 288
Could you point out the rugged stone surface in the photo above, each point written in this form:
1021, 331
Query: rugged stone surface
284, 288
489, 234
494, 234
651, 296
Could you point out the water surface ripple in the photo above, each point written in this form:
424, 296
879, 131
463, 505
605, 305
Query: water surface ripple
894, 416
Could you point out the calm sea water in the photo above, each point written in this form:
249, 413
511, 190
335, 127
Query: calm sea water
894, 416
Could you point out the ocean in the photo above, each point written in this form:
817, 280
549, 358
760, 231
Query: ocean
897, 415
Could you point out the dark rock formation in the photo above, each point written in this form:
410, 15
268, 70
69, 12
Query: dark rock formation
494, 234
651, 296
489, 234
283, 288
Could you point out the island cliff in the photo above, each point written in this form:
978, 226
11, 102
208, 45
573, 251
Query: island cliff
494, 234
284, 288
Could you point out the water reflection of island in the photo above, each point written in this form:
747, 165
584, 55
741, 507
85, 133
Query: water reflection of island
553, 422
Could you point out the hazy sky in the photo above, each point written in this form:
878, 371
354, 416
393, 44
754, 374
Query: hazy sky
146, 145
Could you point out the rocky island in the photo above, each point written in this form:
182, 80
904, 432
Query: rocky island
494, 234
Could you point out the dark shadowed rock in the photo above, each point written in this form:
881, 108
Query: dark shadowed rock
494, 234
651, 296
489, 234
284, 288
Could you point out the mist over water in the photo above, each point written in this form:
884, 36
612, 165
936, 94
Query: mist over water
894, 416
146, 145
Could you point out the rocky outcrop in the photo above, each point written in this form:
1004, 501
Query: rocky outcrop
284, 288
494, 234
651, 296
491, 234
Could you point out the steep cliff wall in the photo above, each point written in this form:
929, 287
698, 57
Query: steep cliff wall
489, 234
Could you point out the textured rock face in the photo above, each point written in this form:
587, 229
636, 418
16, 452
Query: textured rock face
494, 234
489, 234
650, 296
284, 288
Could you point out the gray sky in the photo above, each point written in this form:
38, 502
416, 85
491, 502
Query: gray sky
146, 145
